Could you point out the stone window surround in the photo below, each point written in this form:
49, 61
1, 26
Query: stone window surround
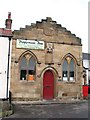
67, 55
68, 71
28, 56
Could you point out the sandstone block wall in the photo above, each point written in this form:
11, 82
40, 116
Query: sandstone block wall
63, 43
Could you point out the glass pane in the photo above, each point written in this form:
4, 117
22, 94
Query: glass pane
65, 79
65, 75
71, 65
31, 64
23, 63
23, 75
65, 70
71, 78
65, 66
31, 68
71, 73
31, 72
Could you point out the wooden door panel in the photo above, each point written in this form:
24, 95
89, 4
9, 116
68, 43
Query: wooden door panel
48, 85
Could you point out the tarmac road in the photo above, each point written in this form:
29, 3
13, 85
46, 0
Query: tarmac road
69, 110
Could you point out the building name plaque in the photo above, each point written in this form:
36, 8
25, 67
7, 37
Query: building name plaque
30, 44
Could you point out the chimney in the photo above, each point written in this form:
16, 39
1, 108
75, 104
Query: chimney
8, 22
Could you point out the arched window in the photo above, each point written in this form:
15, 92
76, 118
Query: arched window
27, 68
68, 69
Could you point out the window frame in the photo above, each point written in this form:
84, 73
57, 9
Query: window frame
26, 68
68, 70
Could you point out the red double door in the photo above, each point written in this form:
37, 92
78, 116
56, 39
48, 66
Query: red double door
48, 85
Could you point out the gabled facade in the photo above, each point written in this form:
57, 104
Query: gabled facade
46, 62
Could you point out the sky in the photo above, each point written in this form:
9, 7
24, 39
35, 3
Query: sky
72, 14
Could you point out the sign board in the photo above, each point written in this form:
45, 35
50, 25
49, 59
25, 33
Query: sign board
30, 44
3, 67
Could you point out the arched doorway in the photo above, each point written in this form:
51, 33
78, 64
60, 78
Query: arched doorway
48, 85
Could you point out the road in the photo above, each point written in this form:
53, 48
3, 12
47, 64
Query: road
75, 110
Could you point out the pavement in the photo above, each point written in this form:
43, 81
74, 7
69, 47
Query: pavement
17, 105
54, 101
50, 110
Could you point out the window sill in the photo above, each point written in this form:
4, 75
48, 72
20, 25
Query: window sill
69, 82
30, 81
27, 80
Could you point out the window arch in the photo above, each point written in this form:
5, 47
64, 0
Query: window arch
27, 67
68, 69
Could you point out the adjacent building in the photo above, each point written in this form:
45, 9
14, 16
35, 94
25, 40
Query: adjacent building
5, 50
86, 65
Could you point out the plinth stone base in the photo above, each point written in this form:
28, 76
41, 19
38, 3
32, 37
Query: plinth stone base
6, 108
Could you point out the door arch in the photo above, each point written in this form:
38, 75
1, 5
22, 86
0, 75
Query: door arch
48, 85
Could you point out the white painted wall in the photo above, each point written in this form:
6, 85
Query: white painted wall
4, 44
86, 63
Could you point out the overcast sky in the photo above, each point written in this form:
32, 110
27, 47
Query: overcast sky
72, 14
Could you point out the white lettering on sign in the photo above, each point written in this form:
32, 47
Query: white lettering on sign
30, 44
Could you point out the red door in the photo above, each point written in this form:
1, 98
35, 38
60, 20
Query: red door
48, 85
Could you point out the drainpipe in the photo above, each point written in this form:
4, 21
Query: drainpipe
8, 66
8, 24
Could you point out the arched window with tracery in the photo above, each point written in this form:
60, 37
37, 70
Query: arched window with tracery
27, 67
68, 69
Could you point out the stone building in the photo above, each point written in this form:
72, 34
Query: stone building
46, 62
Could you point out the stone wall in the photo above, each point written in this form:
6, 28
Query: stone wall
63, 43
6, 108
